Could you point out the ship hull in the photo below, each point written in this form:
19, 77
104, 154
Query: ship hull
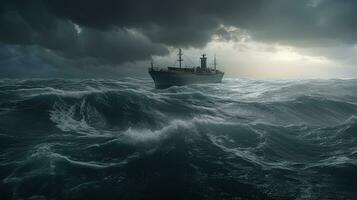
165, 79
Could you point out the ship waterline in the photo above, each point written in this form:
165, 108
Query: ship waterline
178, 76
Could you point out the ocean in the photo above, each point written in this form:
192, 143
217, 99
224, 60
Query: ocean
123, 139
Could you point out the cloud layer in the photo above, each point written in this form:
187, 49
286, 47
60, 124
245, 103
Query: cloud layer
67, 37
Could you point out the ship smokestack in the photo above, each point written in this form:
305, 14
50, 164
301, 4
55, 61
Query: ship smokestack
203, 61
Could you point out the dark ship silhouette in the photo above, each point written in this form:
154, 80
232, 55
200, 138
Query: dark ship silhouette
178, 76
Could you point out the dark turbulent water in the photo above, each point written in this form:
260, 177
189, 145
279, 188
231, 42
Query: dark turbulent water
122, 139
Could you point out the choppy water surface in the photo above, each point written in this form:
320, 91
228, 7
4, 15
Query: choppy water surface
122, 139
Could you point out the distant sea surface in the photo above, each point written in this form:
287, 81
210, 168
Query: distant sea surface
123, 139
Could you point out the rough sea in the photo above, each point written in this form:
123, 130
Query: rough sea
123, 139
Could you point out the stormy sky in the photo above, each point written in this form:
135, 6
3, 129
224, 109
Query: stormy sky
116, 38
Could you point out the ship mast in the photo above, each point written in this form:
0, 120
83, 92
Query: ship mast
215, 62
180, 57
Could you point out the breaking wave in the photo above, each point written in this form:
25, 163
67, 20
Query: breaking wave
243, 139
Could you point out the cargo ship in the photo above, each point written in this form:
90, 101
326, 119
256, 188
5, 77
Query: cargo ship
178, 76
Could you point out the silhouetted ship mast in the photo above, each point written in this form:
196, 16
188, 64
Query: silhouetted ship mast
178, 76
180, 57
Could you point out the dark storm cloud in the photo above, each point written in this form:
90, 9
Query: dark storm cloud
112, 32
172, 22
34, 24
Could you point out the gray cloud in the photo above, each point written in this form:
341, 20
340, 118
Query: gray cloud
299, 23
117, 32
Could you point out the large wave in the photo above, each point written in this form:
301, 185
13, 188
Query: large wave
249, 139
